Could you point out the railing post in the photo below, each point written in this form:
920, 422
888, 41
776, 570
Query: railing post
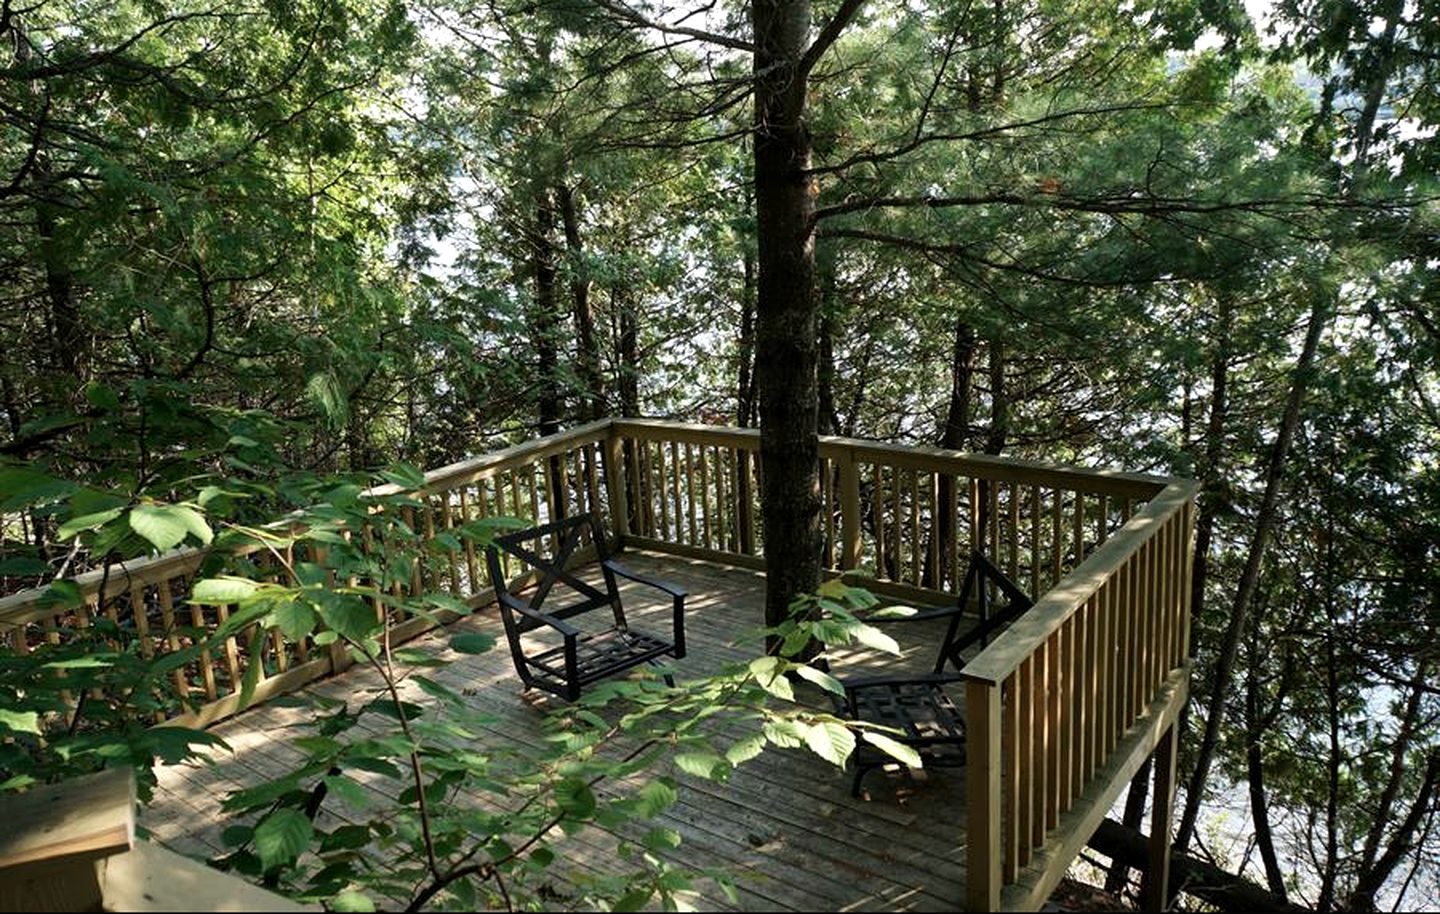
982, 796
615, 485
849, 510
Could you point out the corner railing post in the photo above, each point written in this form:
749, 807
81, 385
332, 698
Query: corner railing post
849, 510
615, 485
982, 796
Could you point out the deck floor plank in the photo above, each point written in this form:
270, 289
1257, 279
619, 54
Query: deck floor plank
784, 824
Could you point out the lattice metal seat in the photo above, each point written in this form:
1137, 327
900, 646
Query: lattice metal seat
917, 708
583, 656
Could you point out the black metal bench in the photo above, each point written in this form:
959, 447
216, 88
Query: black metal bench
917, 706
581, 656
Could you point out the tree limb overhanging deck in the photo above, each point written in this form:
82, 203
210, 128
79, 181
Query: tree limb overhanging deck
1061, 708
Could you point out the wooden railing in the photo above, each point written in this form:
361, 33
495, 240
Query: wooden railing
1061, 709
147, 600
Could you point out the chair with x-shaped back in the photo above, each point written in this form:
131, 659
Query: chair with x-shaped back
581, 656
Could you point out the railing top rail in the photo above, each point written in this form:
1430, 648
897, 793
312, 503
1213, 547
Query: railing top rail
1101, 481
1024, 637
21, 608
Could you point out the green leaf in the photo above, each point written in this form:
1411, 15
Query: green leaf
475, 643
91, 662
874, 638
294, 619
575, 798
351, 900
660, 839
236, 835
745, 750
24, 487
787, 734
656, 797
64, 593
348, 790
822, 679
216, 591
353, 619
633, 900
896, 750
23, 565
87, 522
831, 741
161, 525
281, 837
701, 764
20, 721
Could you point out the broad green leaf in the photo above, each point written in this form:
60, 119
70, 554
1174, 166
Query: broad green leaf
633, 900
23, 487
282, 836
23, 565
64, 593
87, 522
821, 678
472, 643
896, 750
351, 901
656, 797
701, 764
216, 591
575, 798
874, 638
661, 839
92, 662
351, 618
161, 525
348, 790
745, 750
787, 734
294, 619
20, 721
831, 741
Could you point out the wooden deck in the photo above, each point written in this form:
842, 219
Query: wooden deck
784, 825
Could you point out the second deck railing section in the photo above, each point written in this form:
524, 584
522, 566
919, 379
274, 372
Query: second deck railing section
1054, 704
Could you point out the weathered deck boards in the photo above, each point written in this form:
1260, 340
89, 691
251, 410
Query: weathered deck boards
784, 825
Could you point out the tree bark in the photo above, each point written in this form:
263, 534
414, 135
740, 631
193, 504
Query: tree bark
586, 347
954, 434
745, 396
785, 338
628, 344
999, 430
544, 318
1249, 578
1132, 818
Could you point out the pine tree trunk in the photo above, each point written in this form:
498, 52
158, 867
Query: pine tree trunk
785, 338
1250, 576
586, 346
543, 314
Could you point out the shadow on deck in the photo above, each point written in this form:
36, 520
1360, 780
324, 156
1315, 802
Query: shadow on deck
783, 825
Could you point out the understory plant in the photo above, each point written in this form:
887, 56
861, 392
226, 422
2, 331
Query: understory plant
408, 795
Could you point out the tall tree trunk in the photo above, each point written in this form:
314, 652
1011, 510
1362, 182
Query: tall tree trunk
1256, 724
999, 430
587, 348
628, 346
544, 317
785, 343
827, 420
745, 397
1132, 818
1250, 576
1210, 470
954, 434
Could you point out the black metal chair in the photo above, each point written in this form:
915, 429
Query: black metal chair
582, 656
917, 705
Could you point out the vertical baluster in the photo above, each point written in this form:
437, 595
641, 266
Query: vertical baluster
1093, 650
1035, 561
1079, 532
172, 638
877, 499
896, 497
661, 490
1067, 715
1013, 491
207, 662
992, 512
705, 511
937, 578
1054, 756
472, 569
828, 509
917, 547
1102, 519
953, 507
675, 492
977, 534
1025, 767
1057, 536
1009, 793
690, 493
